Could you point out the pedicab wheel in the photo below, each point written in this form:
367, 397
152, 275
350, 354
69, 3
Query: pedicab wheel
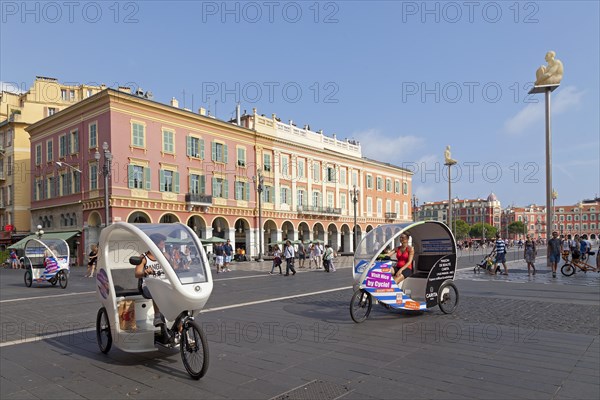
53, 281
62, 278
28, 278
448, 297
567, 270
194, 350
360, 306
103, 335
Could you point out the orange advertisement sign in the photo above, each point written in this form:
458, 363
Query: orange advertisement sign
412, 305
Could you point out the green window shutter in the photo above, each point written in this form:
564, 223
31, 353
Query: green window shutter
201, 149
188, 145
226, 189
68, 145
225, 154
214, 185
130, 176
148, 183
247, 193
214, 151
202, 184
190, 184
162, 181
176, 183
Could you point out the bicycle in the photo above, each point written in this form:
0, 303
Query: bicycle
568, 268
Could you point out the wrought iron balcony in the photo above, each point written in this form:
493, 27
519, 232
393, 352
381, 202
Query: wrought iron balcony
391, 215
313, 210
202, 200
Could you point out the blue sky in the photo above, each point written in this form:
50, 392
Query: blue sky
404, 78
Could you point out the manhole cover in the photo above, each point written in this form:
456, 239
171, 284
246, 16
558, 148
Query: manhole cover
315, 390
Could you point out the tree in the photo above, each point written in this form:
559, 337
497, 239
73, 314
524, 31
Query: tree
477, 231
462, 229
516, 228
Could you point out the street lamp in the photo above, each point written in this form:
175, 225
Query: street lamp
449, 162
106, 172
39, 232
415, 205
259, 182
580, 218
354, 195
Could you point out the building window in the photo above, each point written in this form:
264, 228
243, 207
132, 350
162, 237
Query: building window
388, 206
51, 187
316, 172
38, 154
93, 135
241, 157
388, 185
49, 151
397, 207
379, 183
242, 191
169, 181
74, 142
404, 188
330, 200
369, 206
316, 198
285, 166
38, 189
65, 184
138, 135
63, 94
379, 207
195, 147
139, 177
330, 174
267, 162
301, 173
72, 95
343, 201
405, 209
89, 92
51, 111
301, 197
397, 187
343, 176
168, 142
220, 188
219, 152
93, 176
369, 182
354, 178
268, 194
62, 146
284, 195
197, 184
569, 218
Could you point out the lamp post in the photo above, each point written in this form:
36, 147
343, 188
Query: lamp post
449, 162
354, 194
259, 182
415, 205
580, 218
455, 211
39, 232
106, 172
554, 197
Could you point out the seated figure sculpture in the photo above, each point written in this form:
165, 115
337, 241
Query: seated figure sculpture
448, 160
551, 74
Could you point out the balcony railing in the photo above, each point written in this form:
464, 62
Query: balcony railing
391, 215
319, 210
202, 200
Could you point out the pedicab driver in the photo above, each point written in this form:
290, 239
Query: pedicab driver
150, 268
404, 259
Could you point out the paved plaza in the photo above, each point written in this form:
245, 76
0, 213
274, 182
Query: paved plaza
275, 337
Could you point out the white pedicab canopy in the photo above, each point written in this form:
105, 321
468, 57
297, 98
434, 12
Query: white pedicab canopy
186, 285
37, 250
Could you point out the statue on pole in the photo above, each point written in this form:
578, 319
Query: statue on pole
551, 74
448, 157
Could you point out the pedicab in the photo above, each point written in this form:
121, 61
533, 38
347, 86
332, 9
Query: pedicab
46, 260
127, 318
430, 285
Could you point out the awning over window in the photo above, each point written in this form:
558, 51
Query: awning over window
50, 235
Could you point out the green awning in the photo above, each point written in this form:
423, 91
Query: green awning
50, 235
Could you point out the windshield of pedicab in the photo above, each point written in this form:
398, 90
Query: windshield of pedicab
180, 247
37, 250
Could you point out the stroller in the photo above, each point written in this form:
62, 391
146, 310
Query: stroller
486, 264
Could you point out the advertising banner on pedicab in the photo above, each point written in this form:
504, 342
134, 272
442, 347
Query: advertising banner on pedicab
443, 269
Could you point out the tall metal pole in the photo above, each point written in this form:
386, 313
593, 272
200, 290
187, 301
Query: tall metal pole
449, 197
549, 210
259, 189
355, 200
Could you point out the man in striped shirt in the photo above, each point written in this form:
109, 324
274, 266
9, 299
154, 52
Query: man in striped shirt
500, 248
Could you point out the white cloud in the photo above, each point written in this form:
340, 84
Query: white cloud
565, 99
380, 147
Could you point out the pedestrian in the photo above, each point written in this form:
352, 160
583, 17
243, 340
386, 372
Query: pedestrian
316, 255
228, 254
219, 257
529, 254
289, 254
500, 248
566, 248
92, 261
14, 259
301, 254
554, 252
276, 260
327, 258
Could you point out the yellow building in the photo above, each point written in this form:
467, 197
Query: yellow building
18, 110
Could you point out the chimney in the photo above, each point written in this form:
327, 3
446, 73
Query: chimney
174, 103
125, 89
202, 111
238, 118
